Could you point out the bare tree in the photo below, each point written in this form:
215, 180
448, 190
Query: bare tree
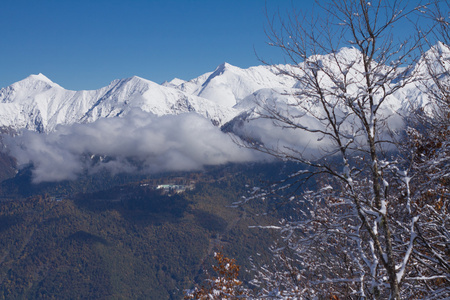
430, 265
429, 141
357, 232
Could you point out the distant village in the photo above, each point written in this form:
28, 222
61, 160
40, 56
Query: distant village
171, 189
165, 185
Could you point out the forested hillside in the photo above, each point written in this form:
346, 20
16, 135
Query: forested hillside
129, 241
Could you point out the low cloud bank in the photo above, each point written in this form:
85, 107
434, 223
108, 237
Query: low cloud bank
138, 142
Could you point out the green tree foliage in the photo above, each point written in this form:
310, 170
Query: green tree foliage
125, 242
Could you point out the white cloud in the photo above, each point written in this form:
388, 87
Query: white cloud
137, 142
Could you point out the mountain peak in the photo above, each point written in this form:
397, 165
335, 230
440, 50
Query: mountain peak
217, 72
39, 81
40, 77
225, 65
346, 51
174, 82
222, 67
441, 48
135, 77
136, 80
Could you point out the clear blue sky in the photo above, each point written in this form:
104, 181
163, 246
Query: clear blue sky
85, 44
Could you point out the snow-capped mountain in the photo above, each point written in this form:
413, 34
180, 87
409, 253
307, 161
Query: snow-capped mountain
37, 103
181, 125
229, 92
228, 84
124, 95
407, 90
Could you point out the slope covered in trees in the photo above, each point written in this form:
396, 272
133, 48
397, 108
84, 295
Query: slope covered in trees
127, 240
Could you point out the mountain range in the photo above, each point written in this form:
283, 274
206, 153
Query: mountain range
36, 103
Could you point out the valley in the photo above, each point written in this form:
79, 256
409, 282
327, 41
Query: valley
130, 240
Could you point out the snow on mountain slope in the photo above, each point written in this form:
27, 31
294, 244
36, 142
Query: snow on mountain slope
36, 103
436, 59
136, 92
170, 126
416, 94
189, 86
228, 84
299, 104
174, 82
32, 102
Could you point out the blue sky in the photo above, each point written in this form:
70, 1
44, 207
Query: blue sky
85, 44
